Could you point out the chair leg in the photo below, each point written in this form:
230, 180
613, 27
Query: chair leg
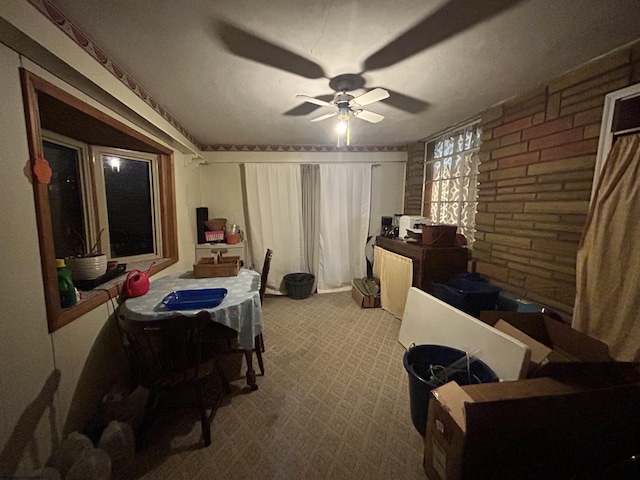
206, 429
261, 342
146, 418
223, 378
258, 350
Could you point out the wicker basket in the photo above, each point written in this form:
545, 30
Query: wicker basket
225, 267
216, 224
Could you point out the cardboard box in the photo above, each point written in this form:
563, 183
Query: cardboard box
549, 339
364, 300
535, 428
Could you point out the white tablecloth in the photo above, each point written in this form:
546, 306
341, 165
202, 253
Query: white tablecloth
240, 309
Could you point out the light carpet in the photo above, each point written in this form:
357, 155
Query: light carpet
333, 404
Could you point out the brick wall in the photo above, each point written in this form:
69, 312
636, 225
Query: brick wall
413, 179
538, 156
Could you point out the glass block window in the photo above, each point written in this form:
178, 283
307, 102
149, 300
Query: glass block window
450, 193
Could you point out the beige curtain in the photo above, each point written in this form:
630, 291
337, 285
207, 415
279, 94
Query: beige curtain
396, 276
608, 263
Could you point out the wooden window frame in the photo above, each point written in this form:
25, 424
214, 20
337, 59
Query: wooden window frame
115, 133
607, 135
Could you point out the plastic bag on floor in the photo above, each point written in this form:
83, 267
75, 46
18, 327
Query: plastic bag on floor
46, 473
94, 464
118, 441
73, 447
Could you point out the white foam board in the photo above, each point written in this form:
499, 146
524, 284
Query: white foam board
429, 320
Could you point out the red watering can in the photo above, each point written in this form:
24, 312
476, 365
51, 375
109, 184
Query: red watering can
137, 283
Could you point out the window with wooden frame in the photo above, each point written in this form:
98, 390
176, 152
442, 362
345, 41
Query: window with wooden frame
49, 108
111, 188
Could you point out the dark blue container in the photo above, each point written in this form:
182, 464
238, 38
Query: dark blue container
423, 360
469, 296
471, 276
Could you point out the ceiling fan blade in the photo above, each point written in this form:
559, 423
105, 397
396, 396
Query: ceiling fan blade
368, 116
306, 108
316, 101
453, 17
371, 96
249, 46
324, 117
405, 102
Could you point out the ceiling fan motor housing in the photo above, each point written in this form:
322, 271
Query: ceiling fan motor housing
346, 82
342, 99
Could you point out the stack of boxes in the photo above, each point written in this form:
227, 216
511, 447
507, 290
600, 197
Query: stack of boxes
577, 412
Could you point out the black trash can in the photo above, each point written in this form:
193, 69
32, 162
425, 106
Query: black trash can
299, 285
430, 366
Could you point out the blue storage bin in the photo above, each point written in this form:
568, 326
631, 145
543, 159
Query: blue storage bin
469, 296
470, 276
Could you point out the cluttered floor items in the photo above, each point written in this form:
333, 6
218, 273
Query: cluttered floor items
563, 408
365, 292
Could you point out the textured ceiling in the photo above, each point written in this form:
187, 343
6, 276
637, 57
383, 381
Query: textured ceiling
229, 71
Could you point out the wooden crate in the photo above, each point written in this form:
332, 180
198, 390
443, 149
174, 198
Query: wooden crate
226, 267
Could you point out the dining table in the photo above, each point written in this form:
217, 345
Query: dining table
239, 309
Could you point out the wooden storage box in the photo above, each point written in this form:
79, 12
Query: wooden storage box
225, 267
439, 235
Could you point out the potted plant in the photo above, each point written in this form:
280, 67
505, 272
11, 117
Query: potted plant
87, 263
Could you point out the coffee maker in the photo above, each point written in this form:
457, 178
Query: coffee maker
387, 229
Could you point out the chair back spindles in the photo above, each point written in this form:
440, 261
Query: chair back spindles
168, 353
264, 275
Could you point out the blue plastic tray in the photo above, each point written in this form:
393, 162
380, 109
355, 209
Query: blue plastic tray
193, 299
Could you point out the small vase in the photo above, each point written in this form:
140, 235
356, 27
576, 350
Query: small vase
87, 268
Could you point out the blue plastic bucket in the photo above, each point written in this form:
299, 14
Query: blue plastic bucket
425, 365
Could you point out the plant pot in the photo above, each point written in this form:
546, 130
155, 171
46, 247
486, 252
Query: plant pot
87, 268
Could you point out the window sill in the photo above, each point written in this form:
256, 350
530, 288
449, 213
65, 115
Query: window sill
108, 291
48, 105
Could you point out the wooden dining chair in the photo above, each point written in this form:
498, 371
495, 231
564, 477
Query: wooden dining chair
167, 355
264, 275
223, 335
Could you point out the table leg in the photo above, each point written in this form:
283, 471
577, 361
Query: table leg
251, 374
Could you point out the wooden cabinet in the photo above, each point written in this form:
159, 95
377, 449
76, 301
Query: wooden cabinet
430, 264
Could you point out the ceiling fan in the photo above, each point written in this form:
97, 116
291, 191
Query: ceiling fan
451, 18
344, 104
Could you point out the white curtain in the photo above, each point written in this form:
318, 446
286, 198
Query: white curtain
345, 199
274, 206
